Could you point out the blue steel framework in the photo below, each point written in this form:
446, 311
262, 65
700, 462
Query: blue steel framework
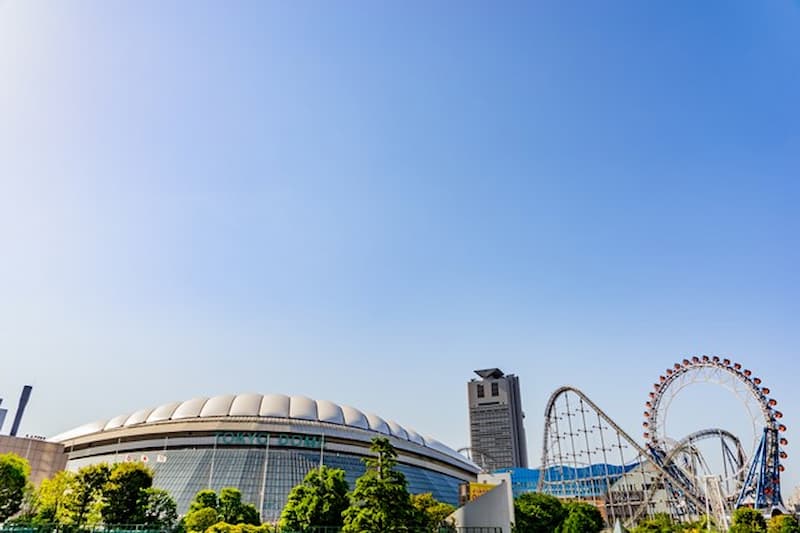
761, 487
664, 475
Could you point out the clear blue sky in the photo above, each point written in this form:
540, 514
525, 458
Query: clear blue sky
364, 202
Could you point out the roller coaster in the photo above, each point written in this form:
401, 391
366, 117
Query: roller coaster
710, 471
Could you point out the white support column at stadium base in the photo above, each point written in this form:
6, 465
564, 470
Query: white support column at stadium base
264, 480
213, 455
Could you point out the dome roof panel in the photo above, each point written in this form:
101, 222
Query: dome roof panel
267, 406
163, 412
378, 424
80, 431
303, 408
217, 406
276, 405
397, 430
329, 412
116, 422
189, 408
355, 418
438, 446
413, 436
138, 417
246, 405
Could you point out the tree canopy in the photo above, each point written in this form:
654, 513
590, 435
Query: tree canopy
582, 518
159, 510
747, 520
319, 500
83, 497
124, 495
380, 502
111, 495
658, 523
536, 512
207, 508
783, 523
430, 514
14, 473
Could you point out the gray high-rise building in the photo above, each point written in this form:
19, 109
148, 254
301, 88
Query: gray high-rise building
497, 434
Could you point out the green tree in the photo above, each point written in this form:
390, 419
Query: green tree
380, 502
702, 525
234, 511
203, 499
50, 496
536, 512
14, 473
747, 520
783, 523
227, 507
83, 497
658, 523
430, 514
224, 527
199, 520
582, 518
160, 511
124, 494
319, 500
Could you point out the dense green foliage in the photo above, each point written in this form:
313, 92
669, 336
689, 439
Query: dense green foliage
319, 500
49, 497
380, 502
783, 523
746, 520
160, 511
200, 519
539, 513
14, 473
536, 512
658, 523
582, 518
204, 498
430, 515
233, 511
207, 509
124, 496
100, 495
224, 527
83, 498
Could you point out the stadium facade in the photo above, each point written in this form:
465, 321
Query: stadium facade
262, 444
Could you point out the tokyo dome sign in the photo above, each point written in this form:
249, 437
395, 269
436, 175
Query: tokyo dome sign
257, 438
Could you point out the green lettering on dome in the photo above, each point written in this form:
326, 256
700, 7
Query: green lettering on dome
257, 438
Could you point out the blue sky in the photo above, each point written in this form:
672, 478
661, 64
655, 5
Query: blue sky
364, 202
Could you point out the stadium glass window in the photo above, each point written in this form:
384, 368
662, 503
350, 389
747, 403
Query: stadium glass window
495, 389
480, 391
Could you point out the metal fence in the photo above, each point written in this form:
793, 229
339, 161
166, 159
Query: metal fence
138, 528
450, 529
55, 528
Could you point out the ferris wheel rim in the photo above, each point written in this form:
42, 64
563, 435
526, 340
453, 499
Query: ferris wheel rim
753, 386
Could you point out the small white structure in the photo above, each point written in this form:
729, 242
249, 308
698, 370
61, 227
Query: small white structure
493, 509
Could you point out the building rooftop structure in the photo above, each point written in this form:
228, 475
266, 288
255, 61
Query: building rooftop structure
262, 406
494, 373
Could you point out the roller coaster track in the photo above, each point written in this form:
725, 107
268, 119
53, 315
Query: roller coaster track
678, 484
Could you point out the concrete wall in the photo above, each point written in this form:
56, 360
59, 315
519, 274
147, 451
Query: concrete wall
46, 458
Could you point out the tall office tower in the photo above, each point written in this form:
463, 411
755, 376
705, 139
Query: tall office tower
495, 420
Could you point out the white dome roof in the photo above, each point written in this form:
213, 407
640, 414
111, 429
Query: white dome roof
262, 406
